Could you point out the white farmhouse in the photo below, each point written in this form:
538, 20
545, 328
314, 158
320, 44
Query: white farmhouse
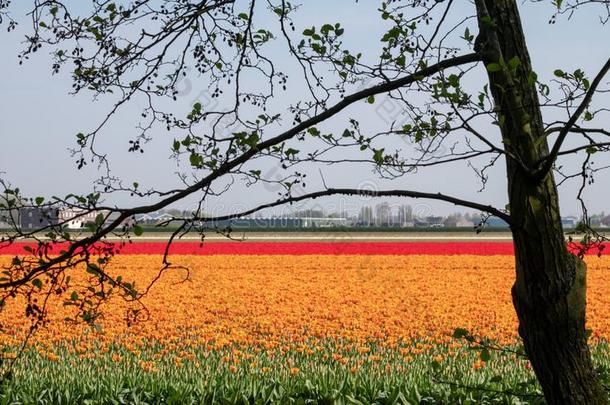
77, 218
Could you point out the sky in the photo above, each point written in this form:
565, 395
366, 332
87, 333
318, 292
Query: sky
39, 120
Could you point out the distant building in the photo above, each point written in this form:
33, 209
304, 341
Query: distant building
383, 214
75, 218
279, 222
457, 220
421, 223
33, 218
324, 222
405, 216
569, 222
435, 222
365, 218
256, 223
8, 217
464, 223
155, 217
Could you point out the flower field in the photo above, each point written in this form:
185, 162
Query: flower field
288, 322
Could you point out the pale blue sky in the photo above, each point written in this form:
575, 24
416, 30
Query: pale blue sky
40, 119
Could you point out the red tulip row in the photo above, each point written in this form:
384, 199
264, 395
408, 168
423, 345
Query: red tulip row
305, 248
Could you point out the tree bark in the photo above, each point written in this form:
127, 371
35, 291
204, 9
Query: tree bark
549, 291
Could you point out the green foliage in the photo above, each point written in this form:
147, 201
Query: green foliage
116, 375
485, 355
378, 156
459, 333
514, 63
138, 230
99, 220
468, 37
494, 67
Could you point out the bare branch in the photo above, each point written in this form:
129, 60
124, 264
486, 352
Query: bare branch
369, 193
580, 130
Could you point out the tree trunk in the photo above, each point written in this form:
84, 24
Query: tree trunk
549, 291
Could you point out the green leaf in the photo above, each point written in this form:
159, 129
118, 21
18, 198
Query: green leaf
485, 355
401, 61
37, 283
326, 28
243, 16
318, 48
137, 230
487, 20
291, 151
74, 296
308, 32
559, 73
39, 200
468, 36
514, 63
370, 99
454, 80
195, 160
252, 139
588, 116
313, 131
591, 150
99, 219
494, 67
459, 333
378, 156
93, 268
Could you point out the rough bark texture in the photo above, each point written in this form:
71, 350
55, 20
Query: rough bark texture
549, 292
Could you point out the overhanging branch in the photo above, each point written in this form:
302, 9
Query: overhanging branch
82, 244
368, 193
